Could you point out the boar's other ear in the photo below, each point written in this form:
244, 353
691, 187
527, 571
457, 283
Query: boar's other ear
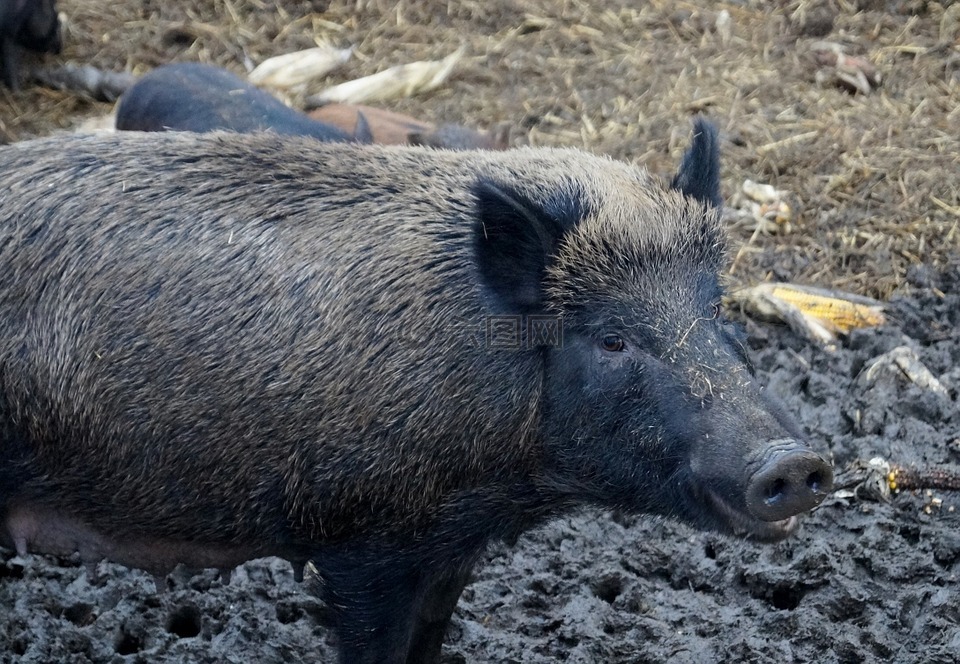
362, 132
699, 173
515, 238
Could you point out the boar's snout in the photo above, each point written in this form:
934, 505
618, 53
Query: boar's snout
791, 479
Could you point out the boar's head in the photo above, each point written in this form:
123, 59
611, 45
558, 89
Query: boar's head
650, 400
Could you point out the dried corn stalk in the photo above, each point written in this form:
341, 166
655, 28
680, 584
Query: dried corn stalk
292, 70
396, 82
878, 479
816, 313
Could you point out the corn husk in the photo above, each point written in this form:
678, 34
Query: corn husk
818, 314
854, 73
763, 205
868, 480
101, 124
903, 362
293, 70
950, 24
394, 83
724, 27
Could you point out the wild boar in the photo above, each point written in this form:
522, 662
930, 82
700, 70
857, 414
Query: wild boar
29, 24
190, 96
224, 346
389, 128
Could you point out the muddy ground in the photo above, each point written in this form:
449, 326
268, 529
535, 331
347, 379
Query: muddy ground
875, 198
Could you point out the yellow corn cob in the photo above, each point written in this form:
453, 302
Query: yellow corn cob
816, 313
837, 310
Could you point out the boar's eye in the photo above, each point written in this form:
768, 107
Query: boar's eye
612, 343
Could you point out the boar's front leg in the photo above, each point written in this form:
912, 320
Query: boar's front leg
373, 613
436, 609
388, 608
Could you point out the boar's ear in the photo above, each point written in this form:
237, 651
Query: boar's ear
515, 238
699, 173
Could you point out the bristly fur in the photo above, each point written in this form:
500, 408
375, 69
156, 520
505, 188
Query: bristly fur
622, 257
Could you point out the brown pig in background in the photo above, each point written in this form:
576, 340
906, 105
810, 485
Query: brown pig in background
389, 128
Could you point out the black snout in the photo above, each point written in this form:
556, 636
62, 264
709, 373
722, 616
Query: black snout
792, 480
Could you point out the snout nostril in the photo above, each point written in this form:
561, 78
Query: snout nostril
775, 491
789, 482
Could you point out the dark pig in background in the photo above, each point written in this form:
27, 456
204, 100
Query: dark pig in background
389, 128
190, 96
29, 24
219, 347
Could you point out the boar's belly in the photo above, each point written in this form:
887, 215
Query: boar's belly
41, 529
